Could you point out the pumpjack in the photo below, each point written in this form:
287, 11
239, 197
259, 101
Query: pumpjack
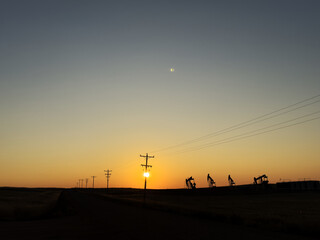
210, 181
190, 183
230, 180
263, 179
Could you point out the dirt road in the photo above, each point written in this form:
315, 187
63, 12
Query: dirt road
94, 218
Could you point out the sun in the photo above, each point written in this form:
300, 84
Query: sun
172, 69
146, 174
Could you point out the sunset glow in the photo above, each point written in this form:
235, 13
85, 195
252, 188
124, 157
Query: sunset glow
211, 87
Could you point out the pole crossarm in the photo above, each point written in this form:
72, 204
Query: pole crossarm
146, 166
146, 156
143, 165
108, 174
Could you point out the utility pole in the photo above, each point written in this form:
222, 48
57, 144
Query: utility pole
146, 174
93, 180
108, 174
87, 182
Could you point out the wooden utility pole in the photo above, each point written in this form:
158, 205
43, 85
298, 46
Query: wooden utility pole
108, 174
93, 177
146, 174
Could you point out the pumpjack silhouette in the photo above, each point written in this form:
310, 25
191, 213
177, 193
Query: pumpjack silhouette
230, 180
263, 179
210, 181
190, 183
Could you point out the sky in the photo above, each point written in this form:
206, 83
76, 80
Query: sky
86, 86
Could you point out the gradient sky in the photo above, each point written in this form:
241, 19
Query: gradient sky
86, 86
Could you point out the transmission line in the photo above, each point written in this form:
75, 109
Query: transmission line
246, 123
249, 134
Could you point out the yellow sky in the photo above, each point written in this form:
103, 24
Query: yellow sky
284, 154
86, 87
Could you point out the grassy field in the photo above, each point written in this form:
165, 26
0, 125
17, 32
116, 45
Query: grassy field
291, 212
26, 204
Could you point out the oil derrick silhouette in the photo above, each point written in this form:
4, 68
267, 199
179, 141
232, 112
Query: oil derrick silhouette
230, 180
263, 180
190, 183
210, 181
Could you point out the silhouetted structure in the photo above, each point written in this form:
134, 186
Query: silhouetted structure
210, 181
146, 174
108, 174
230, 180
190, 183
93, 177
263, 179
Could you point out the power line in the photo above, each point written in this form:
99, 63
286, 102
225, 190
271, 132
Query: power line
256, 130
246, 123
247, 135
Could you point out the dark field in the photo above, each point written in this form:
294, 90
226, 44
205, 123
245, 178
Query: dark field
166, 214
297, 212
27, 204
